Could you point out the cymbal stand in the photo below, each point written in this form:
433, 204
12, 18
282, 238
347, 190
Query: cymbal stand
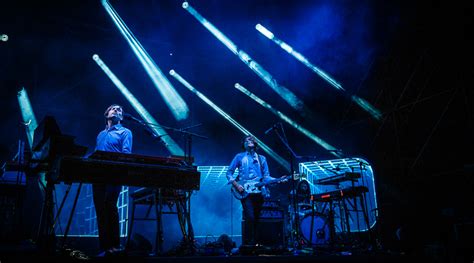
295, 233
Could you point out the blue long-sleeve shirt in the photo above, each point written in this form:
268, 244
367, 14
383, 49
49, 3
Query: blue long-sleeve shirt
115, 139
250, 167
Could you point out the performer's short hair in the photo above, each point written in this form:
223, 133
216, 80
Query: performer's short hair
253, 139
110, 107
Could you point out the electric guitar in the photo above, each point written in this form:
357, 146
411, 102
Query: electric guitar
254, 186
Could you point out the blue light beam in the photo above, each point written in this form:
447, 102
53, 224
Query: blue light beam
169, 143
267, 149
282, 116
285, 93
27, 114
375, 113
173, 100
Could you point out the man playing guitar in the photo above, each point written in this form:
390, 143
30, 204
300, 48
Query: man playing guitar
249, 184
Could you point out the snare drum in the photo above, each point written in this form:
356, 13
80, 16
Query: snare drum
302, 210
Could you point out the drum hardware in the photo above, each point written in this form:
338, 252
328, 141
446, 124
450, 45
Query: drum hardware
314, 227
317, 220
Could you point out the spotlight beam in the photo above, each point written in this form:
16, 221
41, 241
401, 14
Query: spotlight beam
264, 147
282, 116
169, 143
282, 91
375, 113
29, 119
173, 100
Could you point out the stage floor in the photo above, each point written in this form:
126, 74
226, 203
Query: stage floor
12, 253
375, 257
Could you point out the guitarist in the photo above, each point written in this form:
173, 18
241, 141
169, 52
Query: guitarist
252, 166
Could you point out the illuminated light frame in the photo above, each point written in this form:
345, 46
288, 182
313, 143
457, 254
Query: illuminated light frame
316, 170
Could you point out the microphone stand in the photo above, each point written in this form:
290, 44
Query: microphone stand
295, 235
188, 242
188, 135
362, 167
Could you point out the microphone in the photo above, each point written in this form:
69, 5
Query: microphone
272, 128
130, 117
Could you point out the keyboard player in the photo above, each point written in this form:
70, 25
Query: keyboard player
114, 138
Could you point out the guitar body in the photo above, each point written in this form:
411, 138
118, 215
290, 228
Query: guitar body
255, 186
250, 187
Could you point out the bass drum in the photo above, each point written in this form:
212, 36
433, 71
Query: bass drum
321, 230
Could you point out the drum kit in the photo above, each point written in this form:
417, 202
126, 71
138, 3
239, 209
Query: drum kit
308, 225
312, 217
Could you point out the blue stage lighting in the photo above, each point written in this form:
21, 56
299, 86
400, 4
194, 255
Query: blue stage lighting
282, 91
170, 144
173, 100
27, 114
367, 107
282, 116
264, 147
361, 102
264, 31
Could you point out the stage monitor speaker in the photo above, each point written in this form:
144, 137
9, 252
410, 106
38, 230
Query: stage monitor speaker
269, 232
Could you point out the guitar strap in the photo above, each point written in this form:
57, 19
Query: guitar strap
265, 190
260, 164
